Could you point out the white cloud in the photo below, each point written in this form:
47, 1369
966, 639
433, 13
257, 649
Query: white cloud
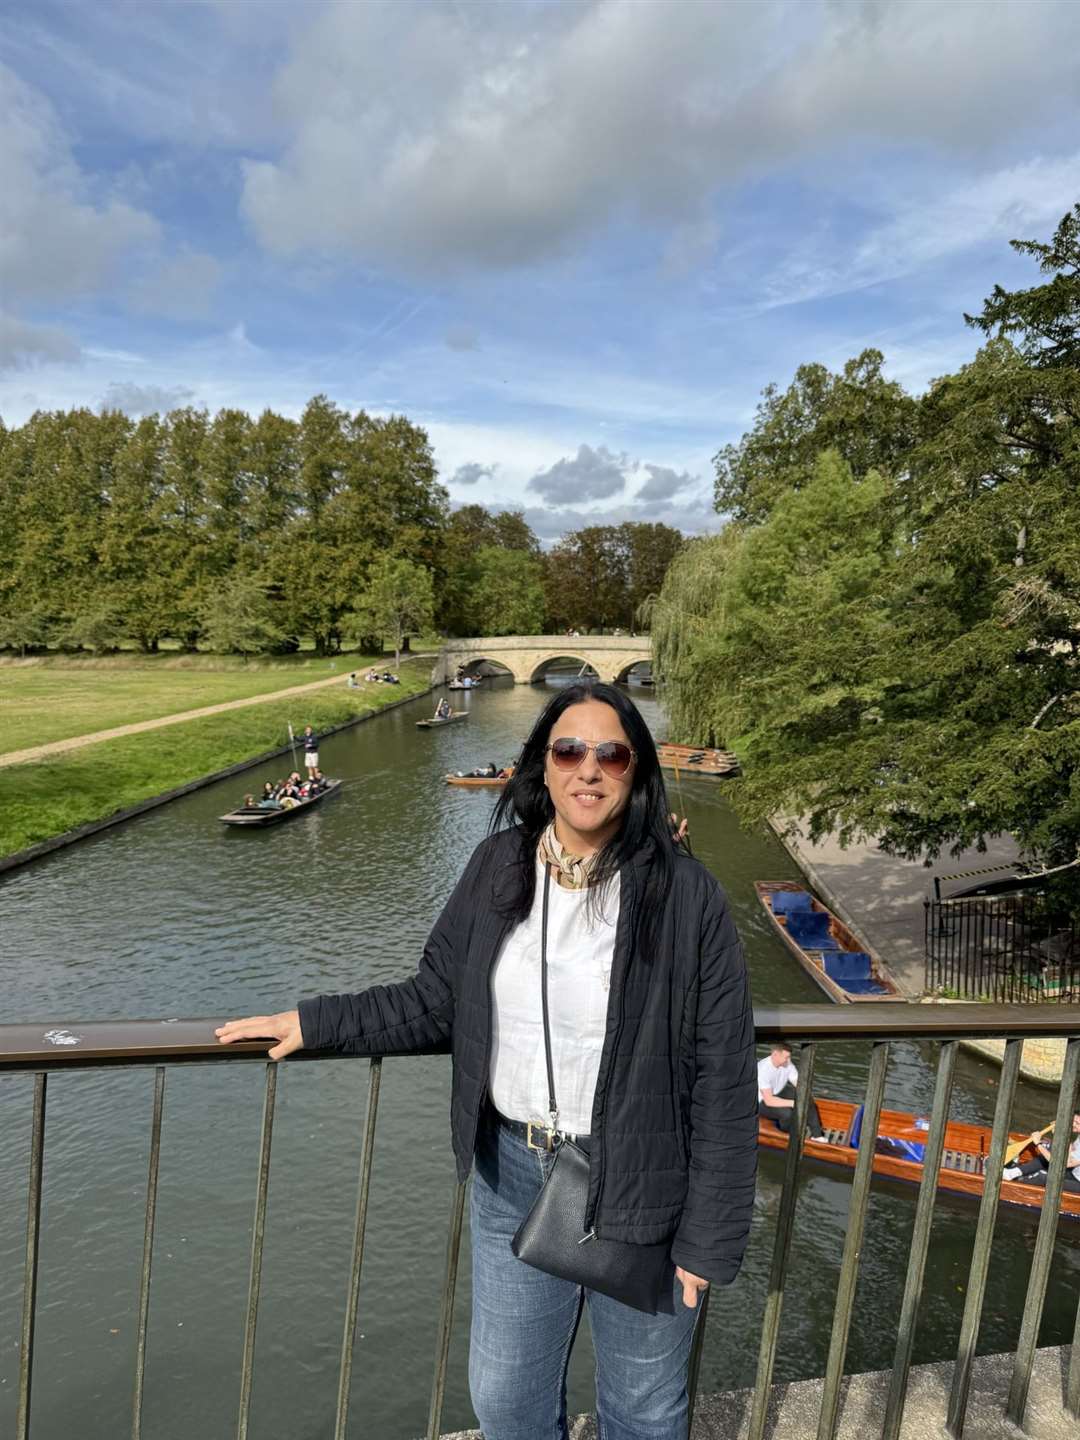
926, 226
664, 483
135, 399
589, 475
22, 344
57, 239
471, 472
496, 136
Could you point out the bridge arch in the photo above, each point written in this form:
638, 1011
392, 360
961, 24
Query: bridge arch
540, 667
623, 674
524, 655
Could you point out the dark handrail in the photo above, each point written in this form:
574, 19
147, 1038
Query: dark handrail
152, 1042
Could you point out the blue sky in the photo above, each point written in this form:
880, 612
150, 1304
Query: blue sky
573, 240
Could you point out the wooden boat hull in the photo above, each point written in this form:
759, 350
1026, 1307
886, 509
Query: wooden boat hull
962, 1161
812, 961
691, 760
259, 819
477, 782
434, 724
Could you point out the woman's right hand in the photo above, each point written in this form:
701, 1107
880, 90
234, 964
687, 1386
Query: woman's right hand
284, 1028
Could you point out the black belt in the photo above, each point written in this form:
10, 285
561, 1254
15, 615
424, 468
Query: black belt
537, 1137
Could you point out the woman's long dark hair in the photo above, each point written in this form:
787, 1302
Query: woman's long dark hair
646, 820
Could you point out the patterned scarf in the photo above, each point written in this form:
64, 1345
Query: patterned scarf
572, 872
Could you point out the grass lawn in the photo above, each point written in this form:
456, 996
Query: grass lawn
41, 701
38, 801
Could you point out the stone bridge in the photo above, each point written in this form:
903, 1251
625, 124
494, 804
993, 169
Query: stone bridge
528, 656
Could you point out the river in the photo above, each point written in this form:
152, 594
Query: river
175, 915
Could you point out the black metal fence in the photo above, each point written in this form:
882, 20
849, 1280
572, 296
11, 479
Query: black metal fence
1008, 949
24, 1049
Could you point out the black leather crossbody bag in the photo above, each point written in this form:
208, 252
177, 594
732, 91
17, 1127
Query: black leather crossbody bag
552, 1236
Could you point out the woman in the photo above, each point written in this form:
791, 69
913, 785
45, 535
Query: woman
653, 1047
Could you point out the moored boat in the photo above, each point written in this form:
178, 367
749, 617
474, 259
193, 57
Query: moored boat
451, 719
252, 818
898, 1152
696, 760
823, 945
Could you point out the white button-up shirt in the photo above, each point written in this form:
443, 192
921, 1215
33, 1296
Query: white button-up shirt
579, 958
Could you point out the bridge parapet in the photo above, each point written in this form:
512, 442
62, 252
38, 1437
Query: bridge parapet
525, 656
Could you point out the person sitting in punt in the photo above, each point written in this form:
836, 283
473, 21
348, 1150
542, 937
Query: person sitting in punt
268, 798
1036, 1170
249, 803
777, 1078
442, 709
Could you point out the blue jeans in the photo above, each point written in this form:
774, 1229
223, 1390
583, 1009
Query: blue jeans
524, 1323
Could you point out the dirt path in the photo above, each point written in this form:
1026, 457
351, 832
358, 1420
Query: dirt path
58, 747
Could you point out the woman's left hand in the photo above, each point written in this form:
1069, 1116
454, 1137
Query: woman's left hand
692, 1286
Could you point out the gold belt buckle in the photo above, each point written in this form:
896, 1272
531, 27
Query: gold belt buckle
548, 1142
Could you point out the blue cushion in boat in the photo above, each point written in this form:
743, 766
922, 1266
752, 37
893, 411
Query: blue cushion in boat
786, 902
863, 987
811, 929
845, 965
856, 1128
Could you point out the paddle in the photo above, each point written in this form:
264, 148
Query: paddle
1018, 1146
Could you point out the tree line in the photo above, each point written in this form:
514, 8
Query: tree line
888, 625
251, 534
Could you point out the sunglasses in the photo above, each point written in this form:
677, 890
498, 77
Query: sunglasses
613, 757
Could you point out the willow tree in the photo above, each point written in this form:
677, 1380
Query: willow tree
896, 654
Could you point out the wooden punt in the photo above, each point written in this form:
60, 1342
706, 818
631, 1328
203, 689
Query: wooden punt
699, 760
256, 819
962, 1161
459, 685
478, 782
858, 979
451, 719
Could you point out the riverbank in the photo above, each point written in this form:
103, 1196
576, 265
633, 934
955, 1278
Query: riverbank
68, 796
881, 898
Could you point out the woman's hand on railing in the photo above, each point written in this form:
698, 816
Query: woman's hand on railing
284, 1028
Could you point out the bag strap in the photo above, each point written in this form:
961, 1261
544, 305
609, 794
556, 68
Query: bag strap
553, 1108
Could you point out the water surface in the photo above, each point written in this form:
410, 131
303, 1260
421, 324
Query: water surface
175, 915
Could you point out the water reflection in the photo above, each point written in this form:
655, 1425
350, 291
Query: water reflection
175, 914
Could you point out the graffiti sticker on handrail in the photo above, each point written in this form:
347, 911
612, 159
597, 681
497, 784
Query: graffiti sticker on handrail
62, 1037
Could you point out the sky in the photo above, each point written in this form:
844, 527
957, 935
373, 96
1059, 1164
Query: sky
571, 240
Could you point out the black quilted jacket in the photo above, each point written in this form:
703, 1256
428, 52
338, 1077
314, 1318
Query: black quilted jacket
674, 1126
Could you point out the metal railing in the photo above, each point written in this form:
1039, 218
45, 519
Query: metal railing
23, 1049
1009, 949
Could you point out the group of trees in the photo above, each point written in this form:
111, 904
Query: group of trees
889, 623
247, 534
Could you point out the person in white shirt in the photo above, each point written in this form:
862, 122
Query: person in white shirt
777, 1078
1035, 1171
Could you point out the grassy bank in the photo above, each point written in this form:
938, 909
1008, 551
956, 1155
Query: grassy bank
57, 697
39, 801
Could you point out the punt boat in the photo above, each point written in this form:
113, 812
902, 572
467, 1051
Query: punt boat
451, 719
899, 1147
461, 685
478, 782
700, 760
256, 819
823, 945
